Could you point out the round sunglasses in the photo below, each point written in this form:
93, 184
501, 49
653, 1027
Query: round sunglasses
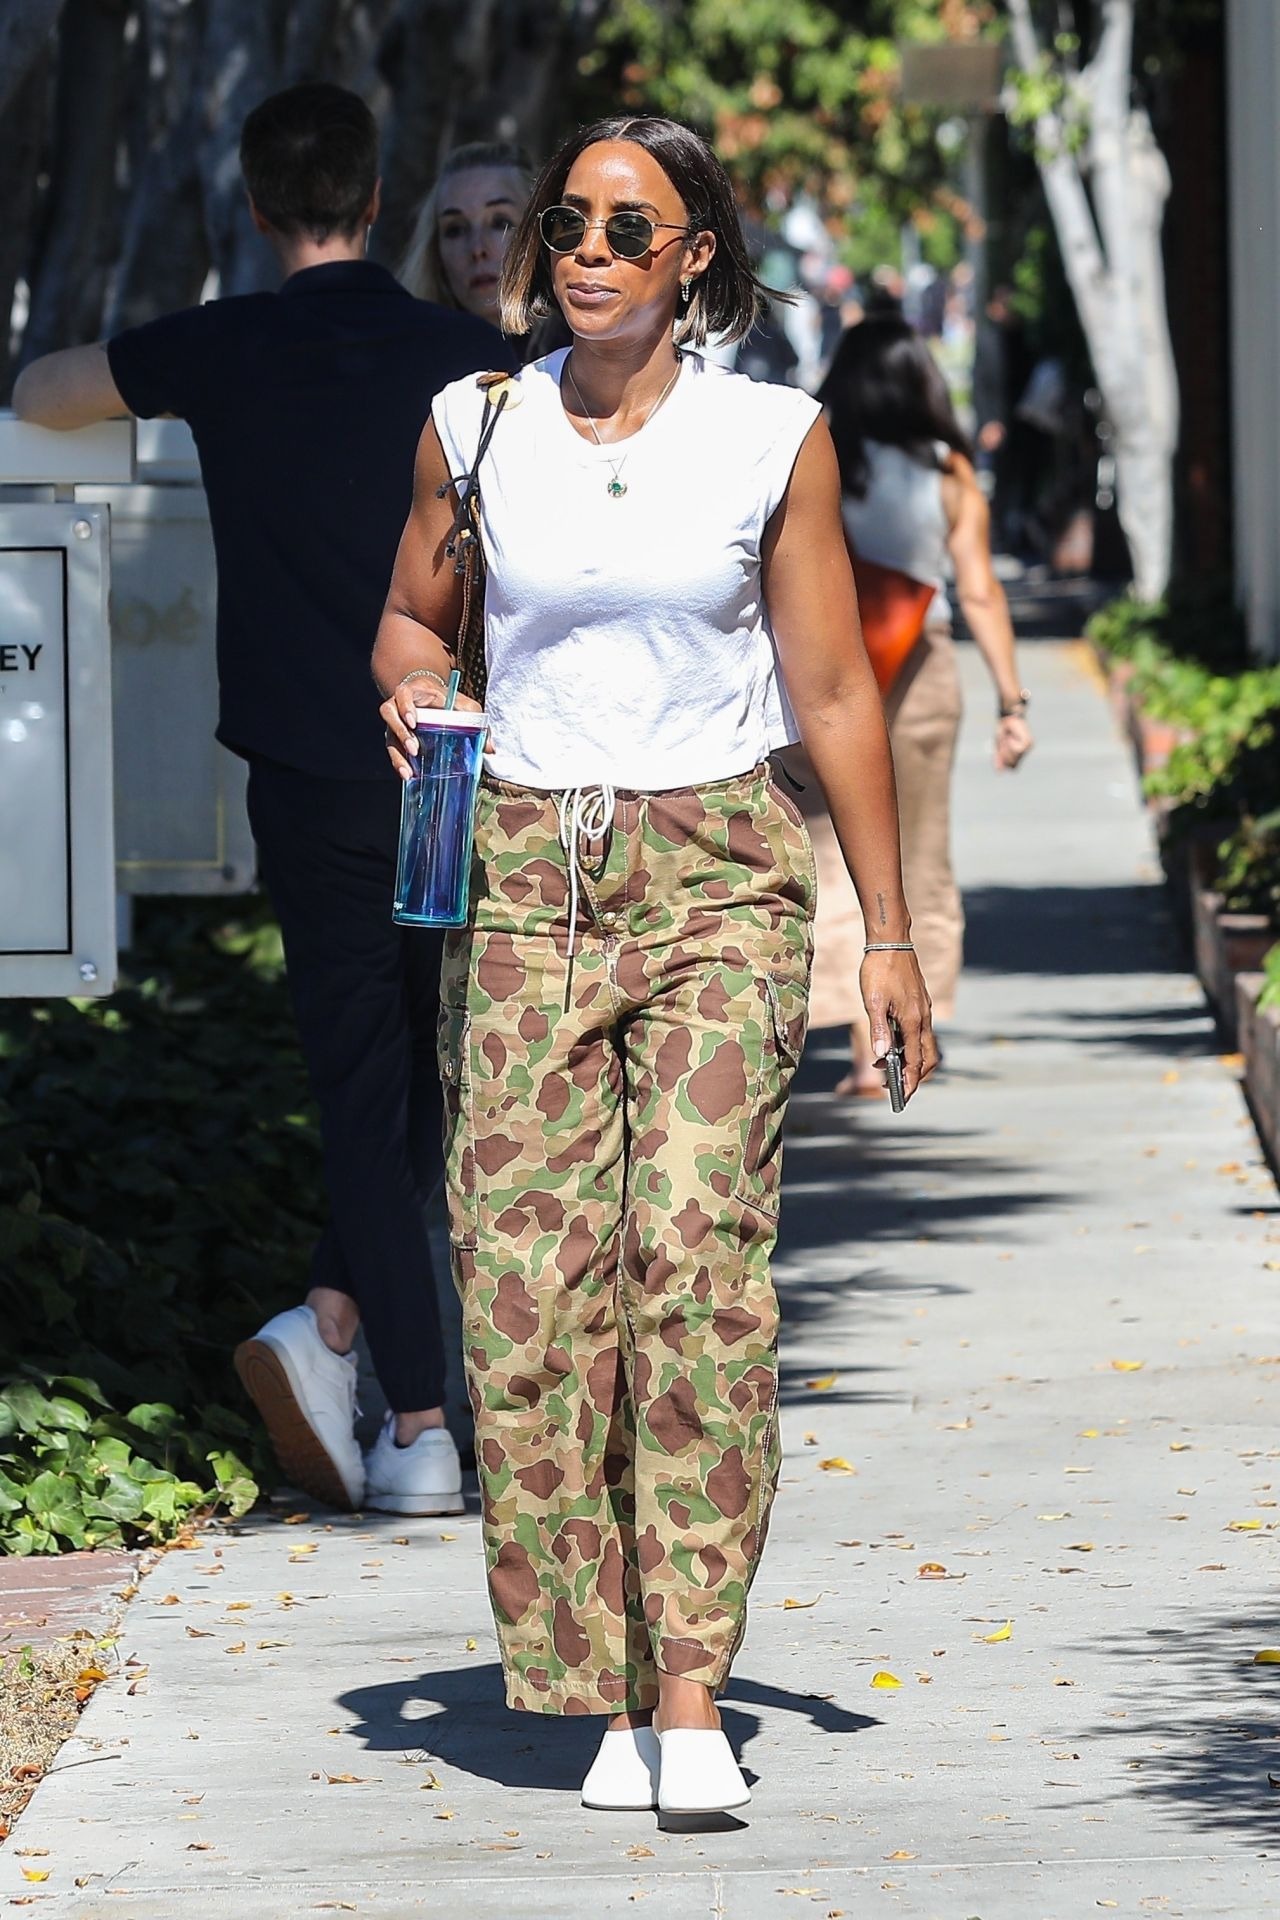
628, 235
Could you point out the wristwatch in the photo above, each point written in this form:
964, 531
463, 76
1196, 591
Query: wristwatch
1015, 709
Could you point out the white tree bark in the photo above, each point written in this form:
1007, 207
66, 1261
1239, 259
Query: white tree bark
1114, 266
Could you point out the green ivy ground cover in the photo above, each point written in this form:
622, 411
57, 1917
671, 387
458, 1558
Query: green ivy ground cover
159, 1197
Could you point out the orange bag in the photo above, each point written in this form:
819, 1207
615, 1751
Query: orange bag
893, 608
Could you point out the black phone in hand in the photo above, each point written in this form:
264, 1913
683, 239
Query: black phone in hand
895, 1069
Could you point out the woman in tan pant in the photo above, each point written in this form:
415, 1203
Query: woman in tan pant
912, 503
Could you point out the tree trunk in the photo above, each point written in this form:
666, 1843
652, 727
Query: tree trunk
25, 29
22, 132
1118, 281
417, 62
240, 66
77, 245
165, 255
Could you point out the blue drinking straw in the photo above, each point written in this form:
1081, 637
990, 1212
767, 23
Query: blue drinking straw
451, 692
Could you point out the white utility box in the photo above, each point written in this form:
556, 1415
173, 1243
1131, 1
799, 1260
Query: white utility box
57, 865
178, 801
181, 825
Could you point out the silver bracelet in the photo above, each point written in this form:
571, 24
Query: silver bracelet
422, 673
889, 946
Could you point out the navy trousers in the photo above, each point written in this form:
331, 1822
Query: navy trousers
366, 995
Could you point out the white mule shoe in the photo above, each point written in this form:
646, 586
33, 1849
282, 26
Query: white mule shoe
699, 1773
624, 1774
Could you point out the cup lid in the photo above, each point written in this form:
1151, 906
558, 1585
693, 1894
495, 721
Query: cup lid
451, 717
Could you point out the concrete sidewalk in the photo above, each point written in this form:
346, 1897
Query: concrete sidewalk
1048, 1302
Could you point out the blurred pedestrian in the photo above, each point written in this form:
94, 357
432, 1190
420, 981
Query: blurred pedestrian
463, 227
624, 1012
462, 231
913, 509
306, 406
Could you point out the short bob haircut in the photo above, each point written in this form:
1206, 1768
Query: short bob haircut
885, 385
309, 157
725, 301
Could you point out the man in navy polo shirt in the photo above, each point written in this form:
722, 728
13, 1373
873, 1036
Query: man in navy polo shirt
306, 406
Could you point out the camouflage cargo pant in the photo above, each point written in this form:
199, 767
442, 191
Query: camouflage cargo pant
614, 1151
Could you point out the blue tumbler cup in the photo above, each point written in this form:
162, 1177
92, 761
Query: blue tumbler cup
437, 819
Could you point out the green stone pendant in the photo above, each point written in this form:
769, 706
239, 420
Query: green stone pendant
616, 489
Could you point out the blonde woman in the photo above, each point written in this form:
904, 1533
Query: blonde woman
463, 228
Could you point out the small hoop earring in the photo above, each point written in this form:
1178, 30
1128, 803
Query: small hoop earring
684, 291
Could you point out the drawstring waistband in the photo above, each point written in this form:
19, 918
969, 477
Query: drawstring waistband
586, 813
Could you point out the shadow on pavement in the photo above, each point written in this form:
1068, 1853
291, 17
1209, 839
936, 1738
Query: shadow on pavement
1201, 1726
1069, 930
458, 1715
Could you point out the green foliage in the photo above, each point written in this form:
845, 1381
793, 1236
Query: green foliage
1270, 995
799, 95
1249, 867
1187, 667
159, 1187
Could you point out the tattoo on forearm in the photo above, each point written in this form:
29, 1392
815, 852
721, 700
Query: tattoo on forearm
884, 918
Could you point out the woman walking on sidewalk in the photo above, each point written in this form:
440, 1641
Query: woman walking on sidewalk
624, 1012
912, 505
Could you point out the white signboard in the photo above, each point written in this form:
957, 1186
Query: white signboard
57, 856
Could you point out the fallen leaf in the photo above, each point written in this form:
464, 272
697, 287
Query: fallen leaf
1268, 1657
170, 1600
237, 1648
1183, 1446
1243, 1526
303, 1546
1053, 1516
1078, 1546
265, 1646
811, 1440
296, 1519
198, 1633
36, 1873
400, 1540
931, 1570
901, 1853
445, 1813
790, 1605
885, 1681
238, 1606
449, 1536
1128, 1366
199, 1846
1171, 1078
346, 1779
640, 1853
1001, 1633
836, 1465
429, 1785
957, 1426
823, 1384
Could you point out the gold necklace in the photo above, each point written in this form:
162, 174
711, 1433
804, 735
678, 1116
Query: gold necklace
618, 486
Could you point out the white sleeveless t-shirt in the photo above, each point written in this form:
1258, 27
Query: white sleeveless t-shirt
627, 639
901, 521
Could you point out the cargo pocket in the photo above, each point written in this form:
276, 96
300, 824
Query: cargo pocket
784, 1017
459, 1135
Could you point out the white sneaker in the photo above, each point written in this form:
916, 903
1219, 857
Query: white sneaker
699, 1773
306, 1395
624, 1774
424, 1477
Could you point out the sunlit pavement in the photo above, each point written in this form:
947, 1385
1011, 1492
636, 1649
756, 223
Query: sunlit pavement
1001, 1659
